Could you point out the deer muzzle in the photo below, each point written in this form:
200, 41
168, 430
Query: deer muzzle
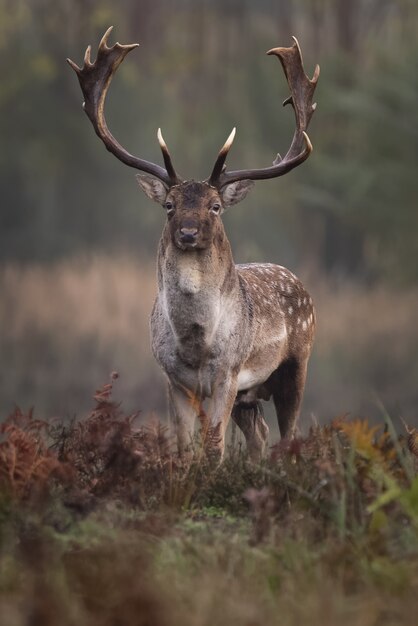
188, 235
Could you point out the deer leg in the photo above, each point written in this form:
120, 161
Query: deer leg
182, 413
219, 412
287, 384
249, 417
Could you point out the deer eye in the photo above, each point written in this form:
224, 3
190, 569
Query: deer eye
215, 208
170, 208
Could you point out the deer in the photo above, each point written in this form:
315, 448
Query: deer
227, 335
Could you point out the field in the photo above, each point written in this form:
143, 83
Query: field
101, 523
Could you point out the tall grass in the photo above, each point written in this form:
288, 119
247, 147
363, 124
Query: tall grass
66, 325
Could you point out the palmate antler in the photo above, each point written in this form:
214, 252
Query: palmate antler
302, 90
94, 81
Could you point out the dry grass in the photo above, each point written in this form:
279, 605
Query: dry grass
365, 315
79, 297
84, 315
70, 323
366, 350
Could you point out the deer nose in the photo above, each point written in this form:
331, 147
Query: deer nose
188, 234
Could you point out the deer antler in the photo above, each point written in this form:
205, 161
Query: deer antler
94, 80
302, 90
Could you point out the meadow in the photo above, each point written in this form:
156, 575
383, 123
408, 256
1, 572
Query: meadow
101, 523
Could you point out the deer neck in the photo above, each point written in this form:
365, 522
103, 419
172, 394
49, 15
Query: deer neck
196, 287
195, 272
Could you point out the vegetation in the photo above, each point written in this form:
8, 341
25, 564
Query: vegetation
102, 523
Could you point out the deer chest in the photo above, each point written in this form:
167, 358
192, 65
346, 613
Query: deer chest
193, 338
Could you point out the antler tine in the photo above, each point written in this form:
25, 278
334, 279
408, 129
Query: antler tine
166, 156
95, 79
87, 59
103, 42
220, 161
301, 94
75, 67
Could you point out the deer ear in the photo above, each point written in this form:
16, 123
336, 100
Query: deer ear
152, 187
235, 192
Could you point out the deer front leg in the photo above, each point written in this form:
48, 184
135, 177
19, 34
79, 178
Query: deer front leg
220, 408
182, 411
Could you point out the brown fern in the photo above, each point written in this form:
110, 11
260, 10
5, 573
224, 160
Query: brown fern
27, 465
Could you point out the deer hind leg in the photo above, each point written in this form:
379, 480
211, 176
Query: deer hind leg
249, 417
287, 384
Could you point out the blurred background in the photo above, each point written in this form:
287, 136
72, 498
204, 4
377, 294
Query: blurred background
78, 240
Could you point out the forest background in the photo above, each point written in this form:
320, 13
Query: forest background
78, 240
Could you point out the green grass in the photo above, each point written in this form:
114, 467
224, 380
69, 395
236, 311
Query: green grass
101, 523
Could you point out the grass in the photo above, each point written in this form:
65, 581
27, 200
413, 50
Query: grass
102, 523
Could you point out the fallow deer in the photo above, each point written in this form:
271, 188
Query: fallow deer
228, 334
